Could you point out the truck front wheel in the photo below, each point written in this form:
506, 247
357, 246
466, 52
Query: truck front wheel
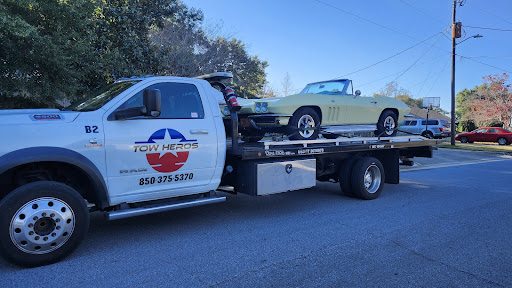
367, 178
41, 223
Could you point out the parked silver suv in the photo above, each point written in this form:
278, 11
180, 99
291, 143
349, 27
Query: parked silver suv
434, 129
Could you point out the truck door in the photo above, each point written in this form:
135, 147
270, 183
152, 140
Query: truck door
173, 154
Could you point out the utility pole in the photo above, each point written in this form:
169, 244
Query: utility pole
452, 130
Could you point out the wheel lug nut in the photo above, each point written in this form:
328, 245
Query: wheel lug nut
52, 215
57, 220
37, 237
31, 233
44, 214
35, 218
45, 239
54, 234
30, 225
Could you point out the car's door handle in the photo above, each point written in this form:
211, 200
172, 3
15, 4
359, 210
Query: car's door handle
374, 102
199, 131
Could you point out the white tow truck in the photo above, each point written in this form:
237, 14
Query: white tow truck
151, 144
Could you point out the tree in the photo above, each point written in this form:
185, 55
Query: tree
487, 104
42, 46
392, 89
411, 102
60, 49
287, 84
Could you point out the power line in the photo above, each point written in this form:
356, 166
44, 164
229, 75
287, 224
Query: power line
373, 22
423, 12
485, 64
418, 58
497, 16
369, 66
362, 18
486, 28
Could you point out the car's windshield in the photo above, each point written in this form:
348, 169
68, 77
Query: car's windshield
99, 98
329, 88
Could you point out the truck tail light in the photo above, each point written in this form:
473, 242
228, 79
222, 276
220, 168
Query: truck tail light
441, 129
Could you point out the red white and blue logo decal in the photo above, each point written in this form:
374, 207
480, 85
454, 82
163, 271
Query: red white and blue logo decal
167, 150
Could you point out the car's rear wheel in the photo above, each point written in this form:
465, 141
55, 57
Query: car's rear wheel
502, 141
304, 124
463, 139
427, 134
387, 124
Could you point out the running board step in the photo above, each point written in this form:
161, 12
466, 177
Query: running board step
115, 215
348, 128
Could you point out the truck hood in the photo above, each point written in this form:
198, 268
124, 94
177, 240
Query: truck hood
36, 116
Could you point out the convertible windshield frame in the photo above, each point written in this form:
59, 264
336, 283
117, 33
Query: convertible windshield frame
102, 96
333, 87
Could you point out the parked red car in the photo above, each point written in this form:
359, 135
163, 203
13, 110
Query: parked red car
486, 134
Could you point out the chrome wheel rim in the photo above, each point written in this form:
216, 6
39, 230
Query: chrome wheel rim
42, 225
389, 125
372, 179
306, 126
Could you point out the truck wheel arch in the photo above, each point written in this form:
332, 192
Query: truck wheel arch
19, 158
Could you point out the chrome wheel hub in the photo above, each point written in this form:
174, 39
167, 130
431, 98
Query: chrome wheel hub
372, 179
389, 125
42, 225
306, 126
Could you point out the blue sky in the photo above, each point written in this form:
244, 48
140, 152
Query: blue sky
315, 41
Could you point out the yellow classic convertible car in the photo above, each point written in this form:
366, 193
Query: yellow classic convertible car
329, 108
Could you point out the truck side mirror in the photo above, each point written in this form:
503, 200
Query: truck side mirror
152, 100
358, 93
152, 106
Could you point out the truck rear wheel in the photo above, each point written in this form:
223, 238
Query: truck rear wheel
41, 223
367, 178
345, 175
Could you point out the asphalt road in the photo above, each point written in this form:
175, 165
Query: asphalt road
441, 227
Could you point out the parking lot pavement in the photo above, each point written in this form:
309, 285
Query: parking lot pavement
443, 227
450, 157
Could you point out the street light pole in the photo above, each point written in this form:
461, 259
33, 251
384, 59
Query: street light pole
452, 130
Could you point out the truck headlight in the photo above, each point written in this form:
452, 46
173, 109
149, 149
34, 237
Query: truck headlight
258, 107
264, 107
225, 110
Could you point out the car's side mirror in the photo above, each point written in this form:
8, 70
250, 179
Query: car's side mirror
152, 106
358, 93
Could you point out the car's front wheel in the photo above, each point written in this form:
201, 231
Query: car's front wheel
41, 223
304, 124
387, 124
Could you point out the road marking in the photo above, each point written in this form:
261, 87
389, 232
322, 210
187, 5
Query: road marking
454, 164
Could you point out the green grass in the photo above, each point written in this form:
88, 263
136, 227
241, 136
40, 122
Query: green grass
479, 146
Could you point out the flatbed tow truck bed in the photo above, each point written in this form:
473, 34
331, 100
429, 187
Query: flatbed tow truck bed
409, 146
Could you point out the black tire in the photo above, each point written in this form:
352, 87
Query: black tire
502, 141
60, 222
463, 139
345, 175
293, 126
428, 134
252, 136
387, 124
359, 178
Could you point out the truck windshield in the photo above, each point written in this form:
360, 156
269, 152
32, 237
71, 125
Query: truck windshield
329, 88
99, 98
